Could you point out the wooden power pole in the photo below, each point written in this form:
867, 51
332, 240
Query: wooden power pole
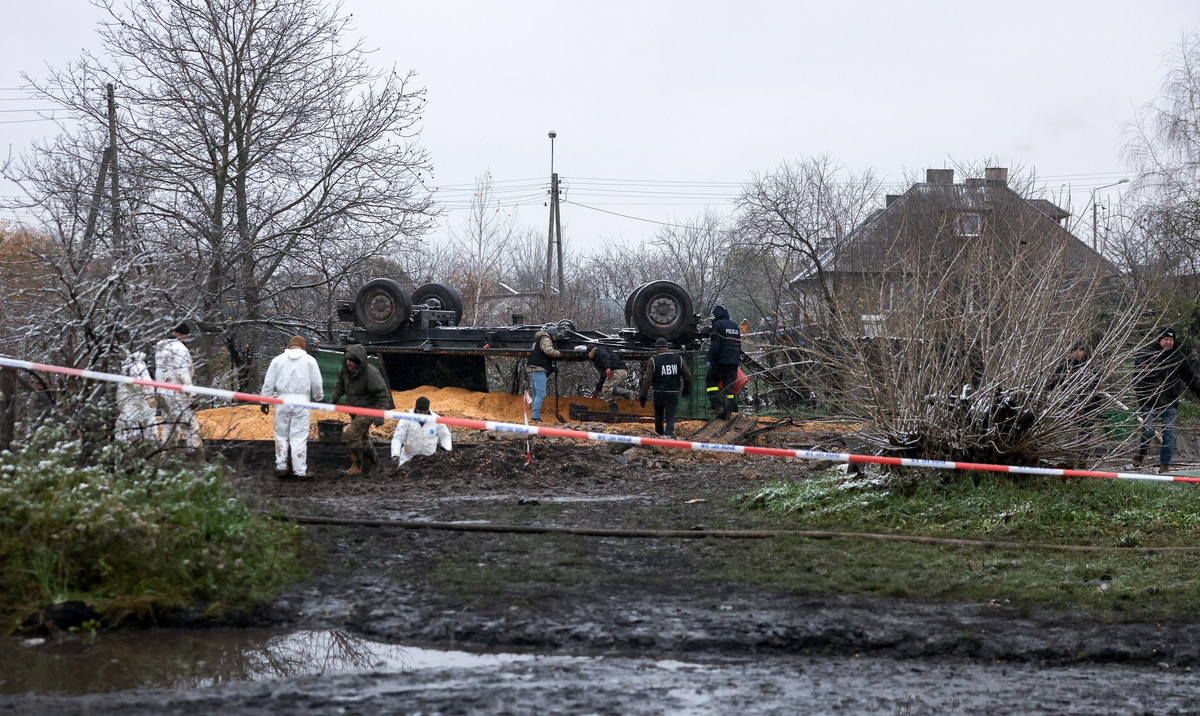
108, 170
115, 186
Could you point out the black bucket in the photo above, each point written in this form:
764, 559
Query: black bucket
330, 431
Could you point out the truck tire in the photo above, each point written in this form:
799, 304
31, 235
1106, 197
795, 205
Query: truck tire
440, 297
662, 309
629, 305
381, 306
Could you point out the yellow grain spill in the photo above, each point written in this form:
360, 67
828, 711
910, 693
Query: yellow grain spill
246, 422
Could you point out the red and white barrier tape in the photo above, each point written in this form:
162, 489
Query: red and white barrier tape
493, 426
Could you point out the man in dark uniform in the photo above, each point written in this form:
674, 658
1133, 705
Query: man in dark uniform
724, 357
667, 374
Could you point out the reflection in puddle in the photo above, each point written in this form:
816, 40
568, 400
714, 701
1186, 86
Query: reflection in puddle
187, 660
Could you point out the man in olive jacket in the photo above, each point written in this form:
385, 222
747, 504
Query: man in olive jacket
363, 387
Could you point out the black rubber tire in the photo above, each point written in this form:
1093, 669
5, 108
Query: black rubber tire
441, 295
381, 306
662, 309
629, 304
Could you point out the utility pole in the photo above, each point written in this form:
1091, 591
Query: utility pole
554, 235
114, 187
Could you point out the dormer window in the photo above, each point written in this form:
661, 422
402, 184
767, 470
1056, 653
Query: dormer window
969, 224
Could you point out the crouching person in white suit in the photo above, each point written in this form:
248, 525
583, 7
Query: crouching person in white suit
414, 438
293, 374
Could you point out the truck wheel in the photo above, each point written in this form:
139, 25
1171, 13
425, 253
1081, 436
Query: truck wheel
662, 309
381, 306
629, 304
440, 297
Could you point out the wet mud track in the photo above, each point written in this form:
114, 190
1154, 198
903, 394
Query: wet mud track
639, 625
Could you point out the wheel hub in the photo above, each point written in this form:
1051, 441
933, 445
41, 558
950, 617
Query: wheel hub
380, 307
663, 310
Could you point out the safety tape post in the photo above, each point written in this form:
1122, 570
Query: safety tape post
493, 426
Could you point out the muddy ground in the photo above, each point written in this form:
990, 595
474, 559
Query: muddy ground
674, 636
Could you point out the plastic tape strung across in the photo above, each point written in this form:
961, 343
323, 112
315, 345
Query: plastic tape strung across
581, 435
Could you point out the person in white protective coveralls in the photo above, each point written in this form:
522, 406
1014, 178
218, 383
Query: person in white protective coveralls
293, 375
414, 438
173, 364
136, 418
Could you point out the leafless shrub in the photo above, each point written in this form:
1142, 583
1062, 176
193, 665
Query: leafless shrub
956, 347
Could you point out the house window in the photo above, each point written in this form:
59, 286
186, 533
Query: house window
969, 224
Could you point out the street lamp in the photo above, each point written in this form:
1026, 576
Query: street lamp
1094, 213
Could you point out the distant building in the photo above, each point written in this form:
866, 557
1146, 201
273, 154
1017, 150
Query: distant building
930, 228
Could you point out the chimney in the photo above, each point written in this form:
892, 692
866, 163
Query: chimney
996, 176
939, 176
891, 198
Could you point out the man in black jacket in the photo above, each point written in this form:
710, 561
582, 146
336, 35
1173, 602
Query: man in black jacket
612, 376
724, 357
668, 375
1162, 370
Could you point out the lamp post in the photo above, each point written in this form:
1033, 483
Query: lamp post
1094, 212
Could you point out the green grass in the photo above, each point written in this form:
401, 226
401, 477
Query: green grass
131, 533
993, 507
1117, 585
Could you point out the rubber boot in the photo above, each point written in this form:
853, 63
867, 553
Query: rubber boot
355, 461
370, 462
1140, 458
729, 408
613, 407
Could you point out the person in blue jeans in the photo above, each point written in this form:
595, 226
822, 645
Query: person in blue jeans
541, 366
1162, 373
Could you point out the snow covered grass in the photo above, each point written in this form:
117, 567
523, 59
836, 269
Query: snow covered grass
990, 506
130, 533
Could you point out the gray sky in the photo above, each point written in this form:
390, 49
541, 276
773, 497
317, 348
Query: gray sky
647, 97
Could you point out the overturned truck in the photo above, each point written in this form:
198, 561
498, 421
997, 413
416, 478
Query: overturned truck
418, 340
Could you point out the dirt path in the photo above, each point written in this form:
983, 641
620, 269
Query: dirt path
674, 636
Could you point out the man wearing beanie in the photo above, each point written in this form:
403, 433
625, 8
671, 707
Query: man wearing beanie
295, 377
1162, 372
414, 438
668, 375
173, 364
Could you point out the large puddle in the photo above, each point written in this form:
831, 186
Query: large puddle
172, 659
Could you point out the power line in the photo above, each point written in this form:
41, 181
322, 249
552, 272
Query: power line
626, 216
25, 121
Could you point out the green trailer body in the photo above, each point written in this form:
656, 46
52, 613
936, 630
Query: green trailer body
330, 363
693, 405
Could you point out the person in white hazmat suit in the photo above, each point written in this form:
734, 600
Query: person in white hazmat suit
173, 364
136, 419
414, 438
294, 375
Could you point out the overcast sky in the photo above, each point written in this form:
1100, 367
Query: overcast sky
663, 108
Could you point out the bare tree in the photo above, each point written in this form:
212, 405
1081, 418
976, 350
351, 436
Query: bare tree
481, 250
701, 255
807, 207
966, 354
260, 135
